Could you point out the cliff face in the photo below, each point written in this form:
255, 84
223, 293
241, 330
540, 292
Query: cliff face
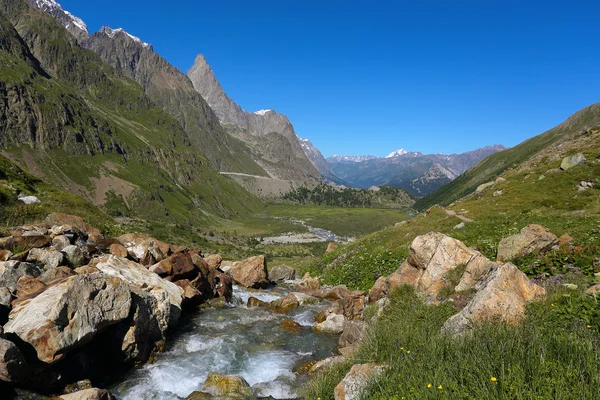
269, 135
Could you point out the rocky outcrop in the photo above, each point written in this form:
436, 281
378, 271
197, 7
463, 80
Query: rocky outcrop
145, 249
532, 238
503, 294
356, 380
69, 314
251, 273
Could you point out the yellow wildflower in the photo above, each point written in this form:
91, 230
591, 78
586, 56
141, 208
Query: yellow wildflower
408, 352
589, 326
493, 379
440, 387
429, 386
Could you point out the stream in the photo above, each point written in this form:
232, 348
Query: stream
314, 234
232, 340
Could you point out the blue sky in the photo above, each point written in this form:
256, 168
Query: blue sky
369, 77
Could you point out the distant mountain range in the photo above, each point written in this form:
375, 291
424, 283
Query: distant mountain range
417, 173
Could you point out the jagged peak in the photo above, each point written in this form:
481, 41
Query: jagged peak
111, 33
397, 153
51, 6
263, 112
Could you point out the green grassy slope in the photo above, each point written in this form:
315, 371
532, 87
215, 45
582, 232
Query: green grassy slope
495, 164
75, 121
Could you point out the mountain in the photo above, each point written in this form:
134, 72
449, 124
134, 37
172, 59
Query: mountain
73, 24
76, 122
350, 159
172, 91
419, 174
269, 135
317, 159
396, 153
547, 145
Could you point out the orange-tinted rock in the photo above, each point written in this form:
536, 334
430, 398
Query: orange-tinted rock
178, 266
214, 260
254, 302
356, 380
251, 273
331, 247
5, 255
73, 221
29, 286
532, 238
290, 326
56, 274
118, 250
24, 243
191, 295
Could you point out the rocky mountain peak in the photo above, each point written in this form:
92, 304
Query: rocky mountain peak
73, 24
397, 153
112, 33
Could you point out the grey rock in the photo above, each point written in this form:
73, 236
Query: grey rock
572, 161
532, 238
74, 256
60, 242
11, 271
459, 226
29, 200
47, 258
282, 273
13, 367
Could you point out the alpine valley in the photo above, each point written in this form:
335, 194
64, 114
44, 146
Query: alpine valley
158, 241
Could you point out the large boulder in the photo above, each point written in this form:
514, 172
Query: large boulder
437, 254
229, 386
572, 161
213, 260
176, 267
356, 380
405, 275
145, 249
136, 274
13, 367
503, 295
28, 286
71, 222
251, 273
532, 238
352, 334
69, 314
24, 243
11, 271
46, 258
293, 300
73, 256
281, 273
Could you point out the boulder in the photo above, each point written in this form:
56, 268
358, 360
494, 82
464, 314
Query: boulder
213, 260
572, 161
24, 243
532, 238
60, 242
483, 186
333, 324
191, 295
136, 274
118, 250
29, 200
336, 293
176, 267
289, 326
405, 275
254, 302
71, 221
28, 286
69, 314
293, 300
5, 255
74, 256
145, 249
230, 386
56, 274
356, 380
11, 271
476, 269
308, 284
437, 254
331, 247
13, 367
502, 294
352, 307
88, 394
251, 273
352, 334
46, 258
282, 273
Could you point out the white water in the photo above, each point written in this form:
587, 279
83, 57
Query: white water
240, 340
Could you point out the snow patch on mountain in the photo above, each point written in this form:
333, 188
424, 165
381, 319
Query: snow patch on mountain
356, 159
262, 112
111, 33
396, 153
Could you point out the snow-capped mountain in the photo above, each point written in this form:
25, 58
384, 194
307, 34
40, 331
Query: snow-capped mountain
396, 153
336, 158
111, 33
74, 25
317, 159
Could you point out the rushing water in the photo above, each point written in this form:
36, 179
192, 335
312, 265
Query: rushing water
313, 235
240, 340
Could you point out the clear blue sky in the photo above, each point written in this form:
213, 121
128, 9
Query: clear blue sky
369, 77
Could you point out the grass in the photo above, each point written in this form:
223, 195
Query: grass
547, 357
